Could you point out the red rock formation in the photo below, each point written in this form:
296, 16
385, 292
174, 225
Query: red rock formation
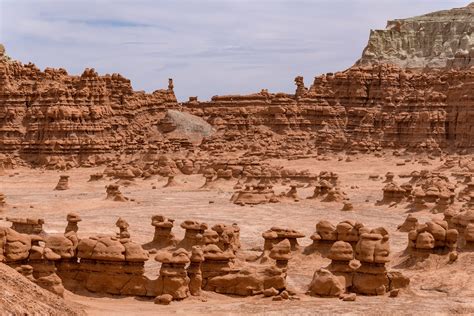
62, 121
17, 248
362, 108
432, 237
369, 278
222, 276
193, 235
63, 183
31, 226
173, 278
48, 114
274, 236
372, 250
469, 237
409, 224
114, 194
163, 238
327, 234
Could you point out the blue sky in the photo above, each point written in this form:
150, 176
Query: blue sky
209, 47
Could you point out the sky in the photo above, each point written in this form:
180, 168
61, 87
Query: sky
209, 47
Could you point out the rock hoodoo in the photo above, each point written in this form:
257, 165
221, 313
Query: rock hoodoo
163, 237
63, 183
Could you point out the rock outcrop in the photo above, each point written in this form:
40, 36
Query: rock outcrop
432, 237
276, 235
368, 277
63, 183
31, 226
433, 40
222, 276
63, 121
52, 118
410, 223
364, 108
164, 237
327, 234
114, 193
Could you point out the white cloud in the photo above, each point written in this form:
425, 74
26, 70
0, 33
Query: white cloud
208, 46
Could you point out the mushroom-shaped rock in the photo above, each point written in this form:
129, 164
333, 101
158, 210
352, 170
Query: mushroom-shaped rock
173, 279
123, 226
214, 253
163, 236
193, 235
73, 217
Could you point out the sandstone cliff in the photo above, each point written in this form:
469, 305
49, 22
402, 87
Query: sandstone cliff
362, 108
48, 113
433, 40
385, 101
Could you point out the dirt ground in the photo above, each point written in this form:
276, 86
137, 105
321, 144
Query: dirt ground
436, 287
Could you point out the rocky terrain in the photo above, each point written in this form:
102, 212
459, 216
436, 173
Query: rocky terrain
354, 195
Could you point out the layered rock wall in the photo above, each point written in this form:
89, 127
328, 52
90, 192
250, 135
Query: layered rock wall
385, 101
48, 113
362, 108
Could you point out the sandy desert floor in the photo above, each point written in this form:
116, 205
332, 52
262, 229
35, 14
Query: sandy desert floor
436, 287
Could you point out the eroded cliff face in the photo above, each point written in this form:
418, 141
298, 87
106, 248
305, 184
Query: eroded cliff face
362, 108
385, 101
434, 40
47, 113
410, 89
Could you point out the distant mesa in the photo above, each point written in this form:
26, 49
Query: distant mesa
435, 40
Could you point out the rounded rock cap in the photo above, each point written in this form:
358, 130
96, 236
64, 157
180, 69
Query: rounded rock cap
341, 251
73, 217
